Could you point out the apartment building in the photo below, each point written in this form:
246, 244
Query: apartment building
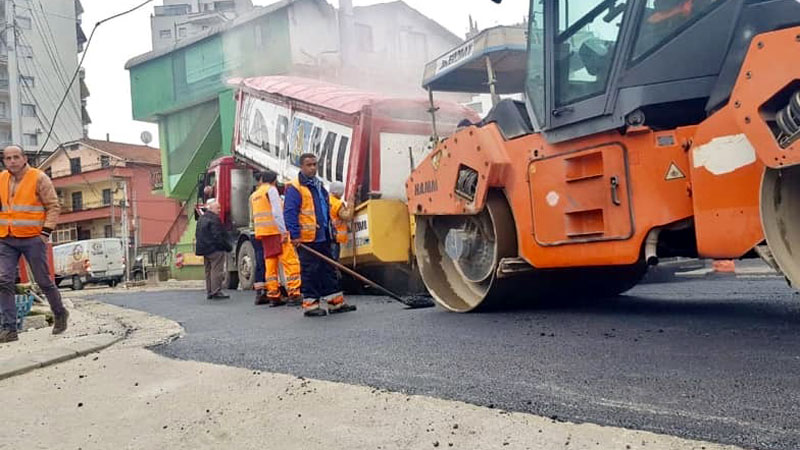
181, 19
40, 45
105, 190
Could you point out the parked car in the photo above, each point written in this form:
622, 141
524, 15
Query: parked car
93, 261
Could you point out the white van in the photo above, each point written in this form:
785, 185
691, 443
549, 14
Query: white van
90, 261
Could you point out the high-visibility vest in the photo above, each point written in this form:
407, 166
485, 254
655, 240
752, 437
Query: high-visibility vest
23, 216
307, 217
263, 221
339, 224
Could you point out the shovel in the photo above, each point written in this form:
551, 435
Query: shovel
411, 301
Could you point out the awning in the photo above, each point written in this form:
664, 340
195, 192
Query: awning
463, 69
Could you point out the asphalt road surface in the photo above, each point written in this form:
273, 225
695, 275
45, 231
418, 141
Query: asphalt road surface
715, 360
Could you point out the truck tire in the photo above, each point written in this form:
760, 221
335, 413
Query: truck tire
77, 283
245, 265
231, 280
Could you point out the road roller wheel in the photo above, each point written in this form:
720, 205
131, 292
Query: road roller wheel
458, 255
780, 218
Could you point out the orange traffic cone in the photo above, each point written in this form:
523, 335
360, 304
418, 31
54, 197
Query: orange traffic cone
724, 266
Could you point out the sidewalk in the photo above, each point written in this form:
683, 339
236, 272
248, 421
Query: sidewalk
129, 397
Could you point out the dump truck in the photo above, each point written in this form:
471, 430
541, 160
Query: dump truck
368, 141
649, 129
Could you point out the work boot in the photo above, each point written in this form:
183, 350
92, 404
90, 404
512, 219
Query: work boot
311, 309
261, 297
275, 302
343, 308
319, 312
337, 305
295, 300
8, 336
219, 296
60, 322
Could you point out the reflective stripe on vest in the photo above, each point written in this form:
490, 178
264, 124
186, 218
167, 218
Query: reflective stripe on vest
307, 219
23, 215
263, 221
339, 224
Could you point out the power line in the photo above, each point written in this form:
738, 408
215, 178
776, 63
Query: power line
71, 19
80, 64
52, 91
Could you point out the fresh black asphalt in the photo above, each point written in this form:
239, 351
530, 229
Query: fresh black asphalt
717, 360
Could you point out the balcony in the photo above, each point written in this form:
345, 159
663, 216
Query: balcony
70, 213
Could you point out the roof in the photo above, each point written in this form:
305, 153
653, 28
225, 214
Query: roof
332, 96
463, 68
244, 18
336, 97
128, 152
404, 5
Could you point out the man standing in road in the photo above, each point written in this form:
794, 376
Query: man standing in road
270, 230
340, 214
28, 215
212, 244
307, 214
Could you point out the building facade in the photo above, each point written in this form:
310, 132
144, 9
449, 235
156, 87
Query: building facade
181, 19
38, 57
105, 191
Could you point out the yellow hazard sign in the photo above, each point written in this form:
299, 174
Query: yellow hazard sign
674, 172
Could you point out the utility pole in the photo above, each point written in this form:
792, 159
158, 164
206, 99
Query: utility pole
136, 222
13, 74
126, 234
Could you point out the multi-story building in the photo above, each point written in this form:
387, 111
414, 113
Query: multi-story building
101, 183
40, 45
181, 19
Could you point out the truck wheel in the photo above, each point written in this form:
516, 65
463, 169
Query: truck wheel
77, 283
231, 280
246, 265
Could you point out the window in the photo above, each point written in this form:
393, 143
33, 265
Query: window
75, 166
105, 161
3, 109
25, 51
23, 22
584, 47
108, 231
106, 197
182, 32
165, 34
364, 38
77, 201
416, 45
663, 20
28, 110
65, 233
27, 81
30, 139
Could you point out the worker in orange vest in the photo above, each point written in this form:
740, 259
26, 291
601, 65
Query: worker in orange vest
28, 215
340, 214
270, 230
307, 213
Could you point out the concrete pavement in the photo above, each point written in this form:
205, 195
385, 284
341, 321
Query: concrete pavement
129, 397
713, 360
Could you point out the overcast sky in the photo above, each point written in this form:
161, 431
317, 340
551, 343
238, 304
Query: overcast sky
125, 37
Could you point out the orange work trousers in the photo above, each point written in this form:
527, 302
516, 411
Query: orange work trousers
291, 271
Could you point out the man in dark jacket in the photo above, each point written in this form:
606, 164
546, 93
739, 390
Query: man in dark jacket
212, 244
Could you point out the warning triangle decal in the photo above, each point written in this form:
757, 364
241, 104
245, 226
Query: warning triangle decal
674, 172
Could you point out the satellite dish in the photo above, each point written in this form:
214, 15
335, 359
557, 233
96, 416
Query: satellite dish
146, 137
